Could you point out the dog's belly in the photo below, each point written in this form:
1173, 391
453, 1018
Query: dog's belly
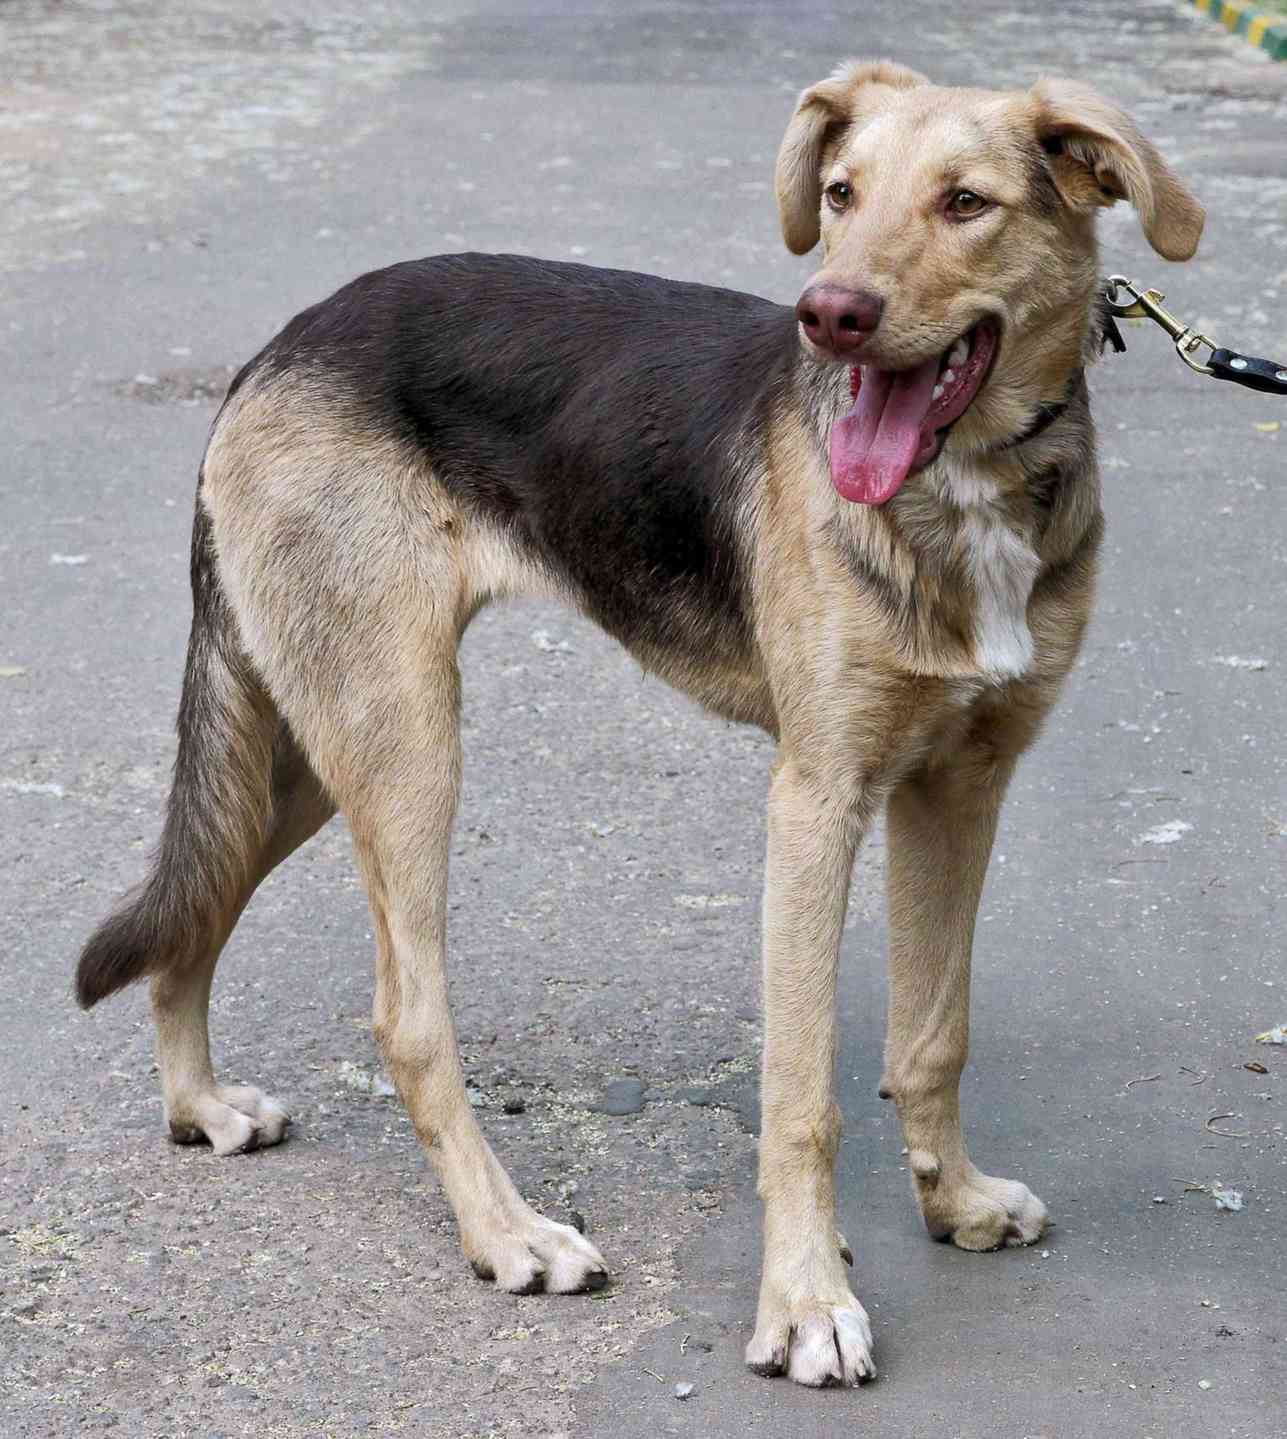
687, 626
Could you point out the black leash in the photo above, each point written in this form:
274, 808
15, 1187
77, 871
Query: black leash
1254, 373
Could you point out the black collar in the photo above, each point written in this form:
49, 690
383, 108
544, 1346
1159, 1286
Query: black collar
1045, 417
1106, 336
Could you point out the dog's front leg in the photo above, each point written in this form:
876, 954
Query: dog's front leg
809, 1324
941, 826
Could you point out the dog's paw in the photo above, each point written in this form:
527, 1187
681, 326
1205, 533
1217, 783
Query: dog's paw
232, 1118
981, 1212
530, 1253
816, 1341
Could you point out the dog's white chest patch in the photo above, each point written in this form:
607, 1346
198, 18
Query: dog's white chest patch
1003, 567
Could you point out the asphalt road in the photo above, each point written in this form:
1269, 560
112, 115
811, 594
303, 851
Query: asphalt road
175, 182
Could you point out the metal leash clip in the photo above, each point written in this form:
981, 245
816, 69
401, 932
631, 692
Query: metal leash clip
1268, 376
1147, 305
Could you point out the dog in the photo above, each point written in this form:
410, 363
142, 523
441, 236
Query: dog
868, 524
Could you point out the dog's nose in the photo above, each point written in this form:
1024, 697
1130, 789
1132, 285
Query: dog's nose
836, 319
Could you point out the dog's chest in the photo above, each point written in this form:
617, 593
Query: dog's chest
1001, 567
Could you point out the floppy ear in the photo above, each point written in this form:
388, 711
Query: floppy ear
1097, 157
821, 110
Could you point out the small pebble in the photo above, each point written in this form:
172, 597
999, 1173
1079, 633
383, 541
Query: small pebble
1204, 1384
622, 1096
683, 1391
1159, 1199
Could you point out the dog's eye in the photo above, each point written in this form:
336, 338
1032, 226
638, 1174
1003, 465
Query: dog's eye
838, 195
965, 204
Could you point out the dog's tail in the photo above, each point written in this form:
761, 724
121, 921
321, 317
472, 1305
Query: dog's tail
219, 807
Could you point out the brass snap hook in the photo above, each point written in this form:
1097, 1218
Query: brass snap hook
1147, 305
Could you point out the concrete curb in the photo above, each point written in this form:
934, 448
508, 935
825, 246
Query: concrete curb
1268, 32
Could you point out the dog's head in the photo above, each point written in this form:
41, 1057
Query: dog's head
959, 258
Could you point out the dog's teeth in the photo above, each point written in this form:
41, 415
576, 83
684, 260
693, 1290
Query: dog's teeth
938, 393
947, 376
958, 353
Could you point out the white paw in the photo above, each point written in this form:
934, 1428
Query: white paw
813, 1341
809, 1326
234, 1118
980, 1213
528, 1253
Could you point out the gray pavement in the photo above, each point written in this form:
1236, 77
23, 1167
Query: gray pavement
174, 183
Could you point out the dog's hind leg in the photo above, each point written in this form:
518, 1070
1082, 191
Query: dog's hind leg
233, 1118
353, 575
941, 823
396, 769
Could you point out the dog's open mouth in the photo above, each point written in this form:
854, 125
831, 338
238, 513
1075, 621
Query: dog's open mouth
900, 418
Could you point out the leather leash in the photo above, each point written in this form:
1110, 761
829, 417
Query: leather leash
1254, 373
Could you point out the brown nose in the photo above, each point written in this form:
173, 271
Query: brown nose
836, 319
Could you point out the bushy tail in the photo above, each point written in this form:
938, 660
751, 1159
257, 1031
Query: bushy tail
218, 811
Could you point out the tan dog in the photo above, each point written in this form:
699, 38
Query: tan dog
869, 525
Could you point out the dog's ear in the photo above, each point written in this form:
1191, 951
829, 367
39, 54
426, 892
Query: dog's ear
822, 110
1097, 157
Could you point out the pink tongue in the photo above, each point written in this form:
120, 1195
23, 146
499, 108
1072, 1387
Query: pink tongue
874, 446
